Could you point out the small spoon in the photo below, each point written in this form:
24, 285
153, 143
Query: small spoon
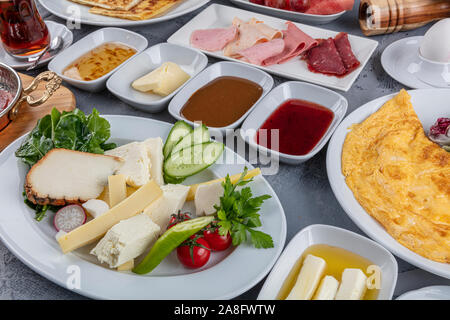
54, 45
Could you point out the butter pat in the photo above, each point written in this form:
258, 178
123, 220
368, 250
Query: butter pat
163, 80
126, 240
353, 285
308, 278
327, 289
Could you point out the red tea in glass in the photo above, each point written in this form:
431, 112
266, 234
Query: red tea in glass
22, 30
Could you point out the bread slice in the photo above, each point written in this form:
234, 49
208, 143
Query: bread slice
137, 165
110, 4
66, 176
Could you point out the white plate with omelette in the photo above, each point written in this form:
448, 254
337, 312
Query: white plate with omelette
144, 12
397, 176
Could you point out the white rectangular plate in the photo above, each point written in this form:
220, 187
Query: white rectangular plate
219, 16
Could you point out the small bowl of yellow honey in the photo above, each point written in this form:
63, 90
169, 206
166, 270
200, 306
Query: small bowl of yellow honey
328, 263
89, 63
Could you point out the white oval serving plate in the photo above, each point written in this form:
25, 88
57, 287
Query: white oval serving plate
427, 293
288, 15
72, 11
429, 105
190, 60
214, 71
34, 242
337, 237
293, 90
92, 41
219, 16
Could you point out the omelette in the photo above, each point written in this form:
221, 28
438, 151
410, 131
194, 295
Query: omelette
401, 178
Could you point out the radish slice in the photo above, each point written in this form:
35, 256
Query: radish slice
70, 217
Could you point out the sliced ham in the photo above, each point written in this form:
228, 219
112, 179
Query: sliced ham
345, 51
250, 33
324, 7
296, 42
213, 39
260, 53
324, 58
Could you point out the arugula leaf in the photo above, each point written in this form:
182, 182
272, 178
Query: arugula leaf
238, 213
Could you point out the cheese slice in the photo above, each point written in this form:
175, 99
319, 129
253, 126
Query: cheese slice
234, 178
174, 196
95, 229
163, 80
353, 285
327, 289
155, 151
308, 279
117, 188
127, 266
206, 197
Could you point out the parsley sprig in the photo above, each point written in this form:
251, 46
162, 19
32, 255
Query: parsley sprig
238, 213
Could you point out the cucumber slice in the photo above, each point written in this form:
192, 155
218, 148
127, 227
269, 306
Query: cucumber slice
193, 159
179, 130
169, 241
172, 180
197, 136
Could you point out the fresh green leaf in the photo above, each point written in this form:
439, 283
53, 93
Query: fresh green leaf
260, 239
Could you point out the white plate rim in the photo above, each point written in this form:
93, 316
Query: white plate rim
122, 22
293, 76
423, 291
22, 255
334, 174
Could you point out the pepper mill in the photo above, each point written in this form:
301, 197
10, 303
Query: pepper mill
388, 16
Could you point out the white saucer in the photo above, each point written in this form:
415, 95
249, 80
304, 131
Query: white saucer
398, 56
54, 29
427, 293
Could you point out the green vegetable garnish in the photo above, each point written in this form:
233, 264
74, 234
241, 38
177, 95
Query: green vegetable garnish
169, 241
238, 213
69, 130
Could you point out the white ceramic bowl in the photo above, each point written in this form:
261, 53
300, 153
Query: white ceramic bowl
333, 236
91, 41
214, 71
288, 15
190, 60
293, 90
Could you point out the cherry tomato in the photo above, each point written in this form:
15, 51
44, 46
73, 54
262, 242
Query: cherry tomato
215, 240
177, 218
194, 252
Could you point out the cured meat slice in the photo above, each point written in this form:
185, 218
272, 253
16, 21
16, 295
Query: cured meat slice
213, 39
250, 33
345, 51
296, 42
259, 53
325, 58
324, 7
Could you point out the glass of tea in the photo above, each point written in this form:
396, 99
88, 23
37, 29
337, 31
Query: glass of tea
23, 32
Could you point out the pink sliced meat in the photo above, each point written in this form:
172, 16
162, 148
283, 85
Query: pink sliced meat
213, 39
324, 7
296, 42
325, 58
259, 53
345, 51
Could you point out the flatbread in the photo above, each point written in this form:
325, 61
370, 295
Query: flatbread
146, 9
110, 4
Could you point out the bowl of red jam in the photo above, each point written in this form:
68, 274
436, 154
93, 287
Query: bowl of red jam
294, 121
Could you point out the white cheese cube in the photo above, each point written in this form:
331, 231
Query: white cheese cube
95, 207
172, 200
308, 279
126, 240
327, 289
136, 167
59, 234
353, 285
155, 151
206, 196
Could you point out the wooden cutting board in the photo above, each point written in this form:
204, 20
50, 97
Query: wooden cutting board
63, 100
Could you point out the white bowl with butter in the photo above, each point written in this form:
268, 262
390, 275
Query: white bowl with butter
149, 80
336, 237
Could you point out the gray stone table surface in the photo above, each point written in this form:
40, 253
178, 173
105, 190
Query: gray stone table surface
304, 190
